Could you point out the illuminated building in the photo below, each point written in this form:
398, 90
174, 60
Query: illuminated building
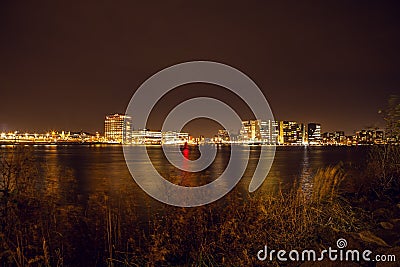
314, 133
147, 137
200, 140
172, 137
379, 137
369, 137
118, 128
51, 137
328, 138
250, 131
339, 137
291, 133
272, 132
265, 132
222, 136
334, 138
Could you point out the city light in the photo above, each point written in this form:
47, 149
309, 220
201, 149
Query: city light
118, 129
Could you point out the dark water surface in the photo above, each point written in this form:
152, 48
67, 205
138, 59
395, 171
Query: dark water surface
79, 172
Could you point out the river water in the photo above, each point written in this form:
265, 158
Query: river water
79, 172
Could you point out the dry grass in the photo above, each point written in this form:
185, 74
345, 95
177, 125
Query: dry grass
232, 235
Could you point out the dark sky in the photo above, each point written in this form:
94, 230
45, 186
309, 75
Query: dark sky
65, 65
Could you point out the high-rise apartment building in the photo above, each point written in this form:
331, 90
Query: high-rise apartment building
118, 128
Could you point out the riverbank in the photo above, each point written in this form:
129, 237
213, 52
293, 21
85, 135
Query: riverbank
42, 223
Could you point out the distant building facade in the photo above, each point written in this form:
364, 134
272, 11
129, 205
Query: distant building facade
314, 133
335, 138
147, 137
250, 131
173, 137
291, 133
260, 131
222, 136
118, 128
270, 132
369, 137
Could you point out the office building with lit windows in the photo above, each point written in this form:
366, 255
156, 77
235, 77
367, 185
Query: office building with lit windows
291, 133
314, 133
173, 137
147, 137
250, 131
369, 137
272, 132
118, 128
259, 131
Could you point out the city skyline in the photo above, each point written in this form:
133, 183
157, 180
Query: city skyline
119, 129
103, 131
335, 63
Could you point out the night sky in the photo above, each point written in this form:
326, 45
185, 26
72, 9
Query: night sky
65, 65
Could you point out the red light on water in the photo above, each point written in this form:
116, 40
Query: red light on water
185, 151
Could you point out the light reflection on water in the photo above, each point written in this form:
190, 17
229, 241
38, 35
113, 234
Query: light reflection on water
75, 173
306, 174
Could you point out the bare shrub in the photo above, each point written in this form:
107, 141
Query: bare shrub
26, 219
384, 169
